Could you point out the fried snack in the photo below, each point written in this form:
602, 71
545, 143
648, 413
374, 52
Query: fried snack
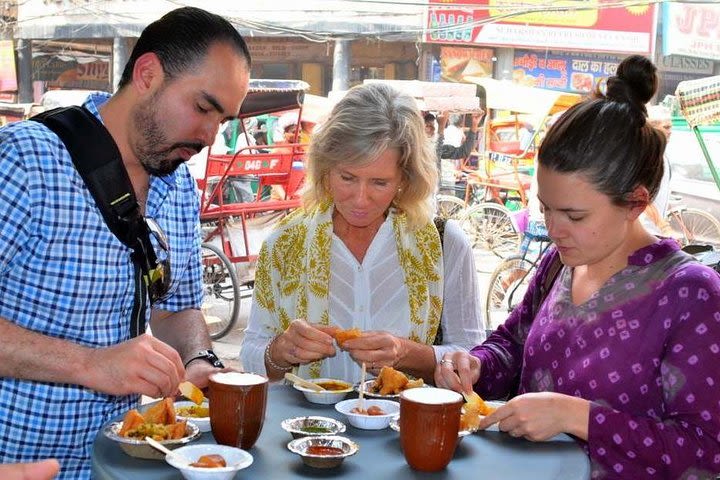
472, 412
392, 382
191, 392
162, 412
342, 335
158, 422
133, 419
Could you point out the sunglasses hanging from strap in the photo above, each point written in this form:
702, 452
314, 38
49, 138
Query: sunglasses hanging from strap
98, 161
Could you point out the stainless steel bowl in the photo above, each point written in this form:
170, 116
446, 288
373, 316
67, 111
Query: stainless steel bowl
300, 427
142, 449
301, 446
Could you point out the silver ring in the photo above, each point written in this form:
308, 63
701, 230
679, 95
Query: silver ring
449, 362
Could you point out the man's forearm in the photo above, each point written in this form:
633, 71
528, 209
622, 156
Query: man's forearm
185, 331
29, 355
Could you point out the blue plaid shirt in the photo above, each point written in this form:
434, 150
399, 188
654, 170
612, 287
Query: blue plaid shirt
65, 275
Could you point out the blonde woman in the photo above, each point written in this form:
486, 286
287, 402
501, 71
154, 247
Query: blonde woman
364, 253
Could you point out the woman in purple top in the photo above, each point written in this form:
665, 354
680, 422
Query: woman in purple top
623, 353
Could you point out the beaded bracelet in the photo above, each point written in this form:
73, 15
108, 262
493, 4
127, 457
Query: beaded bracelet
269, 360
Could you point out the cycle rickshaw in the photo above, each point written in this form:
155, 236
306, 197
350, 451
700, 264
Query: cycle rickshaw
233, 227
696, 230
498, 180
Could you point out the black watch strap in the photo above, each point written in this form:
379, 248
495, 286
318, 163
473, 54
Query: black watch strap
209, 356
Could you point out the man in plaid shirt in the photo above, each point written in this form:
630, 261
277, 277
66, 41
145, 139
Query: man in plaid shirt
68, 363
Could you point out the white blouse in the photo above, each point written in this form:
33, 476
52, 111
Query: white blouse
372, 296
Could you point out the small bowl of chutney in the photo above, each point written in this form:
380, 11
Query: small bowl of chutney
334, 390
312, 426
327, 451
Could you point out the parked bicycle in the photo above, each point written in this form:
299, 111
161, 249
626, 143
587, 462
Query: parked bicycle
509, 280
692, 226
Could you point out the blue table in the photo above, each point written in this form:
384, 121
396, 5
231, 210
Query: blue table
483, 455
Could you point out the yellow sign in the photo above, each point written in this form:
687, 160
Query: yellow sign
567, 13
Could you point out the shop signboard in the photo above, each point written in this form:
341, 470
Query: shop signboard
602, 25
576, 72
692, 29
8, 77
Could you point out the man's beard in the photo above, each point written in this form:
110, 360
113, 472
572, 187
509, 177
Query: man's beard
156, 162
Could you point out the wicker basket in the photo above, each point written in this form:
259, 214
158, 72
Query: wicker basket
700, 100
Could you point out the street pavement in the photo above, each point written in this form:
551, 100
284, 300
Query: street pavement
228, 347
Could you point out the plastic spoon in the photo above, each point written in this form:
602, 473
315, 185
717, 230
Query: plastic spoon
159, 446
361, 392
303, 383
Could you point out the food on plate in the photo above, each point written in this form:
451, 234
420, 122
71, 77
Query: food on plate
343, 335
191, 392
472, 412
157, 422
334, 385
210, 461
392, 382
372, 410
324, 450
193, 411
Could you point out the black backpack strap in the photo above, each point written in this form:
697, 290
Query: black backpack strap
99, 163
440, 225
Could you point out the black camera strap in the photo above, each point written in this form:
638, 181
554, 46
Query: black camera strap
99, 163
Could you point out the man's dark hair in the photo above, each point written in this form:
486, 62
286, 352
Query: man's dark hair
181, 39
429, 117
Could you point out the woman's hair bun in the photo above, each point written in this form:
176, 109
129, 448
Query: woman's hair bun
635, 82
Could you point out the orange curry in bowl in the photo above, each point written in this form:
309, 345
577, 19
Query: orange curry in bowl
334, 385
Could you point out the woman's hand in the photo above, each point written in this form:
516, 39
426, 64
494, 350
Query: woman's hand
302, 343
541, 415
457, 371
377, 349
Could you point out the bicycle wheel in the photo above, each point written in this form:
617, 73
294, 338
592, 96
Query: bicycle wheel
449, 207
489, 227
221, 292
694, 227
508, 283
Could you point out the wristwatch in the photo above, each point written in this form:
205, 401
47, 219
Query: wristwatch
209, 356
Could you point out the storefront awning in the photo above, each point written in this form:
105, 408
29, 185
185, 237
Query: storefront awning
314, 19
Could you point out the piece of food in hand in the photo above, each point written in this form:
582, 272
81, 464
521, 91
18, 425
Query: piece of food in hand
341, 336
210, 461
392, 382
473, 411
191, 392
158, 422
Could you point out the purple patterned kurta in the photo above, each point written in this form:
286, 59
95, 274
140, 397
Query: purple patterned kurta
644, 349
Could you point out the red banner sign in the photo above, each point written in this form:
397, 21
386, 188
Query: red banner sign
534, 24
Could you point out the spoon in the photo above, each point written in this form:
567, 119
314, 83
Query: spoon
303, 383
362, 388
159, 446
